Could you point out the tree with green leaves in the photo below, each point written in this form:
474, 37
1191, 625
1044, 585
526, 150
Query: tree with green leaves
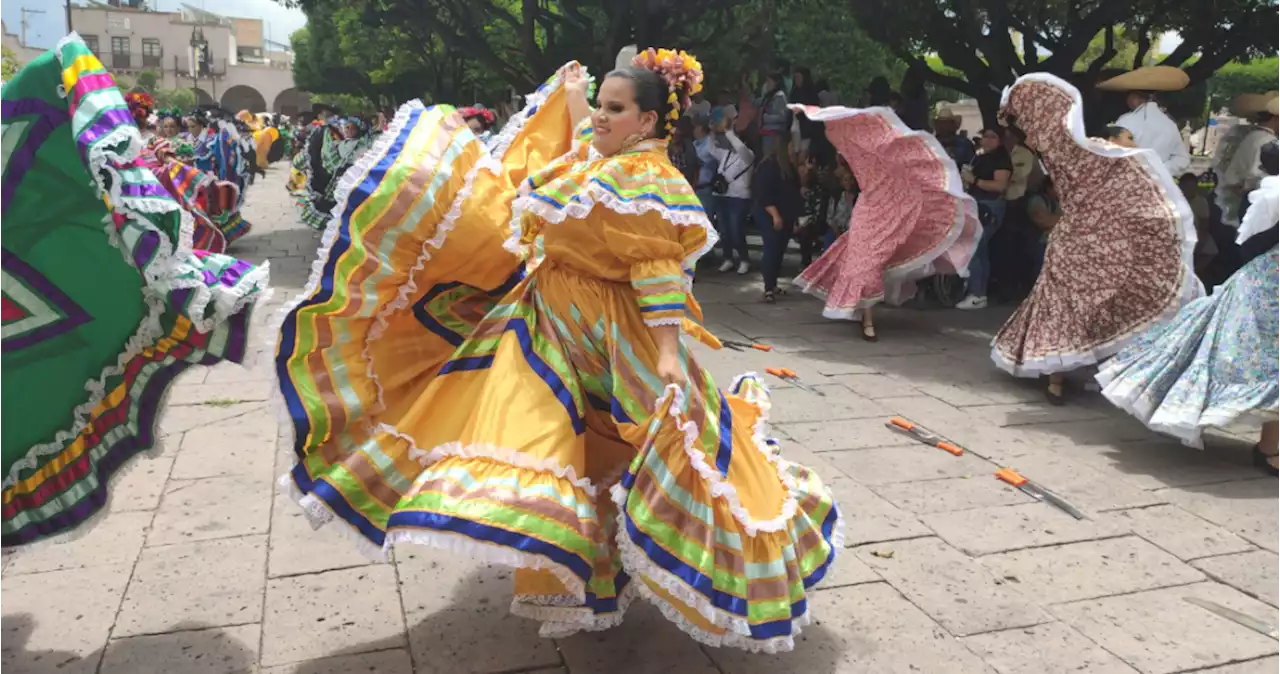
9, 65
992, 42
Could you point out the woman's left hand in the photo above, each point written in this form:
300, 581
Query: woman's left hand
670, 372
575, 82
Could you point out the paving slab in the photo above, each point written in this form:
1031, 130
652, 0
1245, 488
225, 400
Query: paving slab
847, 570
982, 531
791, 405
1091, 569
1246, 508
394, 661
209, 583
646, 643
235, 447
1051, 648
459, 616
952, 588
296, 548
114, 540
1160, 462
1253, 573
876, 386
951, 494
917, 461
216, 507
1180, 532
1260, 666
844, 434
220, 650
141, 484
864, 629
1084, 487
1158, 632
1026, 414
58, 622
221, 394
347, 611
869, 518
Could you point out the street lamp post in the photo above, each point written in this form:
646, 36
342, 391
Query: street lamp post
198, 45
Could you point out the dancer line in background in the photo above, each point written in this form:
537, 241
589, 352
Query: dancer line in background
104, 300
912, 218
1215, 363
570, 433
1119, 259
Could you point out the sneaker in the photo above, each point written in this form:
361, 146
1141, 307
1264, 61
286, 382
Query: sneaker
743, 267
973, 302
725, 266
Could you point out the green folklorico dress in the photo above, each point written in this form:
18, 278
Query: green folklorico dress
104, 300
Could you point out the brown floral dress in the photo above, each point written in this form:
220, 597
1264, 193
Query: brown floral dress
1119, 260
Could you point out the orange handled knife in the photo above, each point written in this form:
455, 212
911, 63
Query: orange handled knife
1037, 492
789, 375
911, 428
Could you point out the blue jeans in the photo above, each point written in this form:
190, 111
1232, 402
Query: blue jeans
731, 221
775, 247
980, 265
828, 239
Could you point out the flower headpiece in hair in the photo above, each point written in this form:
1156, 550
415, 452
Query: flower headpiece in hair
682, 73
486, 115
140, 105
169, 112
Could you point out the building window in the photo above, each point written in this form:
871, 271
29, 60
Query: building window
152, 52
120, 52
90, 41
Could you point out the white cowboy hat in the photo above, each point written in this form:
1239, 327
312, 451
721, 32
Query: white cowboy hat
1148, 78
1248, 105
946, 113
624, 57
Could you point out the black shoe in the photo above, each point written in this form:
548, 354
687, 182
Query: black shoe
869, 333
1055, 399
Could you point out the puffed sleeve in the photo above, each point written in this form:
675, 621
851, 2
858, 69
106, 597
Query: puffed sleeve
661, 256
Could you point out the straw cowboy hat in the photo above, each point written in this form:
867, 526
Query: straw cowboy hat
1148, 78
946, 114
1249, 105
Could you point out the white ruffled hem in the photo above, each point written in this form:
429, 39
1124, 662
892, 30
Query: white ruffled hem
486, 450
718, 486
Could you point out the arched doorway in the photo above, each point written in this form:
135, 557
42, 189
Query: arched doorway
204, 98
291, 101
242, 97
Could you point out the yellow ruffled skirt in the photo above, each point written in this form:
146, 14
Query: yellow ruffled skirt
442, 395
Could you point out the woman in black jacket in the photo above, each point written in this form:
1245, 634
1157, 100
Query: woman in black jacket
777, 194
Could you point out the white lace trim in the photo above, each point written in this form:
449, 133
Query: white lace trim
162, 276
1264, 203
1184, 422
487, 450
318, 514
719, 487
479, 552
1190, 287
586, 200
663, 322
642, 569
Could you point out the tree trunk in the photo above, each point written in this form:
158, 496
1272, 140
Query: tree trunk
989, 104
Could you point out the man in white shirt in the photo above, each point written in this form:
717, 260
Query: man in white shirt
1236, 159
1151, 127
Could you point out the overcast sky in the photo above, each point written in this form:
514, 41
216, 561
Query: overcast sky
44, 30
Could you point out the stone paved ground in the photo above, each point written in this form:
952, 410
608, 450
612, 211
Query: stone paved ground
202, 566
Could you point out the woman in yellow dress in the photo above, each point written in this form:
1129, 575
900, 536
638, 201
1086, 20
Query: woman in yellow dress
532, 402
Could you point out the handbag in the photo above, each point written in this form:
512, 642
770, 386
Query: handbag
720, 184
